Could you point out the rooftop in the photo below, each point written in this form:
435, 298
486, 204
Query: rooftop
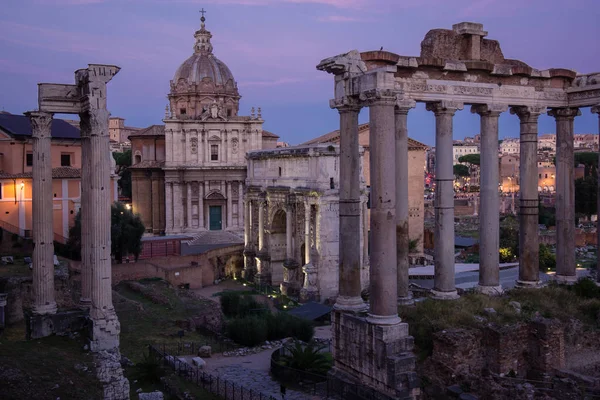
19, 125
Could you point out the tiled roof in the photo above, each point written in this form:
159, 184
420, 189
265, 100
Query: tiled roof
152, 130
335, 135
148, 164
19, 125
269, 134
57, 173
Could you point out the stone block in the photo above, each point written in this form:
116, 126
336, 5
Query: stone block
199, 362
151, 396
61, 323
205, 351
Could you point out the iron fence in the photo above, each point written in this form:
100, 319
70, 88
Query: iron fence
223, 388
182, 348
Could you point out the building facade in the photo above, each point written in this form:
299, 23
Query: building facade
205, 146
16, 162
459, 150
292, 221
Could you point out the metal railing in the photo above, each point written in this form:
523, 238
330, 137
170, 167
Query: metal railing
223, 388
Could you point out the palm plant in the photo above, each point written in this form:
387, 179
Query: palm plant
307, 357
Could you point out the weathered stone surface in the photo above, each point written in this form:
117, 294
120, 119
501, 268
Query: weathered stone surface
110, 374
151, 396
205, 351
199, 362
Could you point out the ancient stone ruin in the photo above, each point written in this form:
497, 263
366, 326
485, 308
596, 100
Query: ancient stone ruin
455, 67
87, 98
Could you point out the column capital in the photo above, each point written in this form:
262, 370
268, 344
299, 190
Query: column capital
528, 112
345, 104
444, 107
384, 97
568, 113
403, 106
41, 123
491, 110
596, 109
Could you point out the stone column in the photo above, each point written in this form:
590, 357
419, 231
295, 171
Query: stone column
565, 195
201, 205
188, 211
402, 239
85, 300
383, 274
240, 203
489, 222
307, 241
529, 275
596, 110
229, 205
261, 225
263, 273
168, 207
249, 252
43, 234
444, 285
289, 255
349, 298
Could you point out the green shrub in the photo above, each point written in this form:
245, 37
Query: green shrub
586, 288
547, 260
309, 358
150, 369
234, 304
248, 331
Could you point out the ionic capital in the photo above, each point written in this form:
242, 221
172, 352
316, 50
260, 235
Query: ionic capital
444, 107
380, 97
489, 110
568, 113
528, 113
345, 104
41, 123
403, 106
596, 110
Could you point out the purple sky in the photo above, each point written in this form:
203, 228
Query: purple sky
272, 48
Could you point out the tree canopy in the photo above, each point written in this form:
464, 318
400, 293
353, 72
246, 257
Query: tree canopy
590, 161
123, 163
460, 170
125, 233
586, 195
473, 159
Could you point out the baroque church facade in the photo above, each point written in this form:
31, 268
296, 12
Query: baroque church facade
202, 166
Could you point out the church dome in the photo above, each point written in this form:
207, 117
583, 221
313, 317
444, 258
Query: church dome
202, 80
202, 65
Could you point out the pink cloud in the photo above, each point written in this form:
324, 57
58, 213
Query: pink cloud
337, 18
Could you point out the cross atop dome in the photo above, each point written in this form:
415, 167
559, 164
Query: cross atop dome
203, 36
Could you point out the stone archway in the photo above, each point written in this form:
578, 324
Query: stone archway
214, 209
277, 246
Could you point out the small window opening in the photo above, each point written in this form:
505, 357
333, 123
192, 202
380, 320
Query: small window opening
138, 158
279, 171
182, 111
29, 159
331, 184
214, 152
65, 160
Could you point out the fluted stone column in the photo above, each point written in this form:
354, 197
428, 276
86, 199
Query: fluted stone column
565, 195
402, 239
85, 300
249, 252
263, 273
349, 298
229, 205
444, 283
596, 110
169, 217
261, 225
383, 274
489, 222
201, 205
188, 206
307, 241
289, 255
43, 234
240, 203
529, 275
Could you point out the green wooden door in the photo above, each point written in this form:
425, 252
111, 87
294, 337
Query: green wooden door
215, 218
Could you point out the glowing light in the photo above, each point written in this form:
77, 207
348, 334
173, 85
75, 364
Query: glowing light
284, 306
245, 284
128, 206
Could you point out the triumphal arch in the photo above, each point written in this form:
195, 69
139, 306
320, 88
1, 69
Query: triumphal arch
456, 67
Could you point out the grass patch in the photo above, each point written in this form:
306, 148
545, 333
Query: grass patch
156, 323
19, 268
564, 303
33, 369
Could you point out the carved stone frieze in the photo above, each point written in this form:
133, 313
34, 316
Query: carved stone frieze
378, 96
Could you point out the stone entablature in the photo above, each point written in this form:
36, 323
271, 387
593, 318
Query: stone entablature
298, 191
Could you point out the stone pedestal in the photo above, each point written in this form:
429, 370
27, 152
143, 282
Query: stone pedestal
309, 291
373, 355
